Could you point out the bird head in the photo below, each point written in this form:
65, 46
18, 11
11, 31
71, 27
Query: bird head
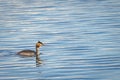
39, 44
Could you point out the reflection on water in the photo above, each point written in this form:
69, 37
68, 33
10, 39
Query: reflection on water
81, 38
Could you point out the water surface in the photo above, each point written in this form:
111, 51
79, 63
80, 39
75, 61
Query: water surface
81, 37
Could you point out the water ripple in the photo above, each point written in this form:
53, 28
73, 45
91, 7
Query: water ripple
81, 39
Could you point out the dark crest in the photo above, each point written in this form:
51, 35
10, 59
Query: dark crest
40, 42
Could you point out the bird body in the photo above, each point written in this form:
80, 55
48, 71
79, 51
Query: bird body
30, 53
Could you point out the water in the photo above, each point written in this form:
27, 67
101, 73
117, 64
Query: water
81, 37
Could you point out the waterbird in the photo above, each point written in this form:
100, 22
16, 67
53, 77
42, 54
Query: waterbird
30, 53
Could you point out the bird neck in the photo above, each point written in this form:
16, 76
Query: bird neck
37, 54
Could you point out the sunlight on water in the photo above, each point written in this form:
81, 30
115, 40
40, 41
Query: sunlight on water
81, 39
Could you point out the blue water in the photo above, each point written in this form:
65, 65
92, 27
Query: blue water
81, 37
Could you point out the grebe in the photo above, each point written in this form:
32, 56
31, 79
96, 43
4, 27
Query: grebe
30, 53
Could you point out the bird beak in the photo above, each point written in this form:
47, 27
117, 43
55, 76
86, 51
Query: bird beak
43, 44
